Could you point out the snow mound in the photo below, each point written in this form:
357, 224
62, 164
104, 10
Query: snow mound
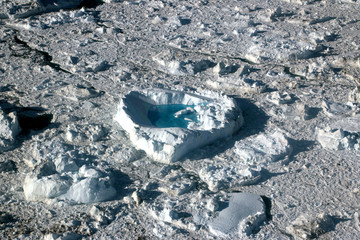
245, 212
9, 128
168, 124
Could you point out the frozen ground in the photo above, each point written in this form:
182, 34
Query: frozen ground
68, 170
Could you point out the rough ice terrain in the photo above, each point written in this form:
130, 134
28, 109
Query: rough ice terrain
179, 120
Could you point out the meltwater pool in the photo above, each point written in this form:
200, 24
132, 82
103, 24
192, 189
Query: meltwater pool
172, 115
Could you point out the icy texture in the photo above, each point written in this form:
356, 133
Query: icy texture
245, 212
9, 128
216, 117
281, 59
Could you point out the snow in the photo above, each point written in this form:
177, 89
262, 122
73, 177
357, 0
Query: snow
217, 118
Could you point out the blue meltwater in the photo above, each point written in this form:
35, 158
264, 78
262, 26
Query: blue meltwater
172, 115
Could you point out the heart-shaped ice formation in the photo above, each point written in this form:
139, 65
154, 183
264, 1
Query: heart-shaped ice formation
168, 124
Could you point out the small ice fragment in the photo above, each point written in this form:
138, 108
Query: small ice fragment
183, 112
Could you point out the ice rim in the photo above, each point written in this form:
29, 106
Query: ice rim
219, 116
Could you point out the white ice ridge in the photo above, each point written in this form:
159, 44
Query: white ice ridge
204, 118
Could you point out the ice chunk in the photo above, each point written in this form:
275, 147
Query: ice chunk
245, 212
338, 109
330, 138
9, 128
279, 98
216, 117
222, 176
39, 189
91, 190
354, 95
350, 124
338, 139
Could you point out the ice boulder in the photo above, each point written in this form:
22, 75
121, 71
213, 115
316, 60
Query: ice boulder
168, 124
245, 212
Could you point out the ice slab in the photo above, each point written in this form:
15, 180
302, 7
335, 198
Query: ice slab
244, 213
168, 124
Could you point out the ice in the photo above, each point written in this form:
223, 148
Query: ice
245, 212
336, 138
279, 98
9, 128
216, 117
350, 124
330, 138
39, 189
271, 146
309, 227
91, 189
61, 173
243, 163
334, 109
28, 8
89, 176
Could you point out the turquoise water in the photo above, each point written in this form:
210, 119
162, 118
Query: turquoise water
163, 116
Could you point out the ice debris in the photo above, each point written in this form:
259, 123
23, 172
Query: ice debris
333, 109
309, 227
9, 128
212, 117
354, 95
279, 98
245, 212
237, 84
27, 8
84, 134
335, 138
245, 161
